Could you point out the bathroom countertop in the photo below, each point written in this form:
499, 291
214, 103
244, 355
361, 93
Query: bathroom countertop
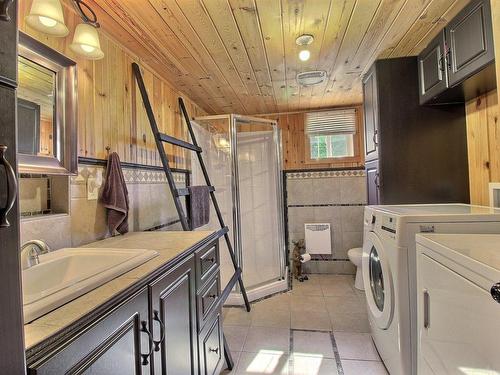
171, 247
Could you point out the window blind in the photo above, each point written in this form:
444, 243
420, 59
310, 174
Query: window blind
331, 122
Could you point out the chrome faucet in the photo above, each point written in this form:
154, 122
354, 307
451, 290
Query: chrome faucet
31, 251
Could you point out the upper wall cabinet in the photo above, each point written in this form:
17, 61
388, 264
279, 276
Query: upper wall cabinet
432, 72
452, 67
469, 39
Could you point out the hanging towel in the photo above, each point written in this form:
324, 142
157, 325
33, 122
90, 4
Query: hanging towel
114, 196
200, 205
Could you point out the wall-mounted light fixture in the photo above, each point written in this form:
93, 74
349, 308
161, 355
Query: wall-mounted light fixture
47, 16
86, 38
304, 40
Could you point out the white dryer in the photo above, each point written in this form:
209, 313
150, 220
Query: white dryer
389, 269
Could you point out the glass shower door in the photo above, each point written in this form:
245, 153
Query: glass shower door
259, 194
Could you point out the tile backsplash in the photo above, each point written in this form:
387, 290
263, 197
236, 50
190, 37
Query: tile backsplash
151, 207
337, 197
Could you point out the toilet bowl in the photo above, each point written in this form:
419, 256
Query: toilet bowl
355, 255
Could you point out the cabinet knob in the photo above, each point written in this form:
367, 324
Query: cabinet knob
495, 292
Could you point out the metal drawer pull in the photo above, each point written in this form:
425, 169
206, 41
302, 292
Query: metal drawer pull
211, 260
375, 140
214, 350
145, 357
11, 188
495, 292
156, 317
426, 309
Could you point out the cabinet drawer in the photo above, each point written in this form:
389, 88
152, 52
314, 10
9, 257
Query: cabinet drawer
208, 299
207, 263
211, 347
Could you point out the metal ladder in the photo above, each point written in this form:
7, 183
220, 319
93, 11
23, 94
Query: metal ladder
161, 138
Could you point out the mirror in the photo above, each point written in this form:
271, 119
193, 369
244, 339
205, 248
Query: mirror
46, 107
35, 108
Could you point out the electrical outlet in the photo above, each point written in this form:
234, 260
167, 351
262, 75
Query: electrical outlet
92, 189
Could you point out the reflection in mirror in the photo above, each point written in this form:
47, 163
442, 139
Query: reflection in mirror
35, 108
47, 110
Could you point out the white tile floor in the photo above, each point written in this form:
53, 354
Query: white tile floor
318, 328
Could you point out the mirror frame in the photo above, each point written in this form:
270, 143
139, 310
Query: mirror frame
65, 159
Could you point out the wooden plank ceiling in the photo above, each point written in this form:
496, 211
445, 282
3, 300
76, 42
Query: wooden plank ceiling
240, 55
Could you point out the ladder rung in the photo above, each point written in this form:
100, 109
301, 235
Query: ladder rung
185, 191
179, 142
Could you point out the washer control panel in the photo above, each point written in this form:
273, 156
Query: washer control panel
388, 224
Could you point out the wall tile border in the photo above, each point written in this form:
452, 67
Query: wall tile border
325, 174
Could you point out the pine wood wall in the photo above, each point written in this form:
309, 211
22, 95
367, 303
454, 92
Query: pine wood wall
294, 143
110, 110
483, 144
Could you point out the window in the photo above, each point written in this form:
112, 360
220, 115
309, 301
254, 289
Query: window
331, 133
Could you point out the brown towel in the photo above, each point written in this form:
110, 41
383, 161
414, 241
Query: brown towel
114, 196
200, 205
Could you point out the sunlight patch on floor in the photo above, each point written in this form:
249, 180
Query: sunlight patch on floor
265, 362
307, 363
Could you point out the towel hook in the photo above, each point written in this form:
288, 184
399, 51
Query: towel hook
107, 150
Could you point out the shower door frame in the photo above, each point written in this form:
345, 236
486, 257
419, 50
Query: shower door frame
233, 120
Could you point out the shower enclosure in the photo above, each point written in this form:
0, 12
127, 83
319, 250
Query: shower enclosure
243, 158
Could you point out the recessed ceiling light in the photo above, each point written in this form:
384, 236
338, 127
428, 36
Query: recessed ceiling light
304, 55
304, 40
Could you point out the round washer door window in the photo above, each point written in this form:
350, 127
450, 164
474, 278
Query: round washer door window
377, 280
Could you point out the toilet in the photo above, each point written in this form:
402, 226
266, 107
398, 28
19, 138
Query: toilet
355, 255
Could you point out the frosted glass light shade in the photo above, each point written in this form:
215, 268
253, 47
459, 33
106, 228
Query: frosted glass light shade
86, 42
47, 16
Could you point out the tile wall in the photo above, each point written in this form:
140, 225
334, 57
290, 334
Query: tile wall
151, 207
337, 197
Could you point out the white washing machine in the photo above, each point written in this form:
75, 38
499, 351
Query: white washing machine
389, 269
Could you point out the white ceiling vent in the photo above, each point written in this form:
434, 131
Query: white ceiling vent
311, 78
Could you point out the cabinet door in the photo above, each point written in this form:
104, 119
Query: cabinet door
470, 41
8, 41
173, 301
117, 344
432, 72
371, 114
458, 323
373, 182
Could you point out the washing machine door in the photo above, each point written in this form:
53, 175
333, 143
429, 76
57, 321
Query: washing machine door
377, 281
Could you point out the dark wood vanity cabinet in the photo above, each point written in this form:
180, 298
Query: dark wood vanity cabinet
171, 326
116, 344
173, 301
458, 63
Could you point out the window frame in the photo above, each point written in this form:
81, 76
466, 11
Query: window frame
357, 142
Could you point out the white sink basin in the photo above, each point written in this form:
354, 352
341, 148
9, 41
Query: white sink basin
66, 274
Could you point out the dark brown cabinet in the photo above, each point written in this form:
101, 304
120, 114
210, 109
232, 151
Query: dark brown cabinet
119, 343
458, 63
421, 150
370, 114
469, 38
11, 322
432, 71
173, 298
373, 182
171, 326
